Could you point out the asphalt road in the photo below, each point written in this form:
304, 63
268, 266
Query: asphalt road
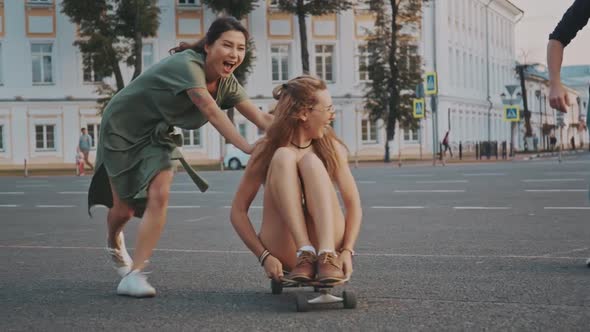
464, 247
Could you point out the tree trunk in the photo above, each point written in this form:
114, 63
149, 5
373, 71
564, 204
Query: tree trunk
137, 44
116, 69
527, 115
387, 157
393, 86
303, 37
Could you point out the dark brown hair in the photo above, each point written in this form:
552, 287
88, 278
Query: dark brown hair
217, 28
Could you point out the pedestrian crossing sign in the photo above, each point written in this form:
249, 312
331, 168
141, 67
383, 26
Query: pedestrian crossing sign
418, 108
512, 113
431, 83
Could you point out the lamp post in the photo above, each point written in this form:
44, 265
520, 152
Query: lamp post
538, 95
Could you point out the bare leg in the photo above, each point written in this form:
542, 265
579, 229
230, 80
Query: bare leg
322, 202
285, 188
154, 218
88, 161
117, 217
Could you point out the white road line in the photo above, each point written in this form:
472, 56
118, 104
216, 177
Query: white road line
198, 219
429, 191
252, 207
73, 193
413, 175
397, 207
567, 208
377, 254
482, 207
551, 180
8, 205
11, 193
555, 190
567, 173
368, 182
184, 206
34, 185
444, 181
484, 174
54, 206
195, 192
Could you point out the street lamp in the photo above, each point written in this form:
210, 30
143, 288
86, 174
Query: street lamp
541, 135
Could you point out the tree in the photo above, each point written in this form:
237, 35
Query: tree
112, 31
395, 66
238, 9
304, 8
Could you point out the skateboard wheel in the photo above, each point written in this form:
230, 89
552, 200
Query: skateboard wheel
302, 303
349, 300
276, 287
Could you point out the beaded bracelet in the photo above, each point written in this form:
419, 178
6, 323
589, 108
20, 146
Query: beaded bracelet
263, 256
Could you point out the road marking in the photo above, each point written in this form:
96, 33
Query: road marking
555, 190
34, 185
397, 207
567, 208
376, 254
413, 175
484, 174
252, 207
8, 205
429, 191
567, 173
11, 193
551, 180
184, 206
482, 208
444, 181
73, 193
54, 206
368, 182
199, 219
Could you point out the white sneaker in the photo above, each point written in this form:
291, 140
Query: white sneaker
120, 257
135, 284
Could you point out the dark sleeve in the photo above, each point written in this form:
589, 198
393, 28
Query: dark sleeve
574, 19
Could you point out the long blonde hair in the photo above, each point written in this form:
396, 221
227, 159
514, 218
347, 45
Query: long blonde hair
293, 97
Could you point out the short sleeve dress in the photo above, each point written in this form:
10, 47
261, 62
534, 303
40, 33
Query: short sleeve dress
135, 141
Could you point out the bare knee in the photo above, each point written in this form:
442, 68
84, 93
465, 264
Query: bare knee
158, 195
310, 162
283, 159
121, 211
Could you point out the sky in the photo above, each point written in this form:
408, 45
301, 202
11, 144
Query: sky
539, 20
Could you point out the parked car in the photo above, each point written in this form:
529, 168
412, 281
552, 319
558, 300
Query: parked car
235, 158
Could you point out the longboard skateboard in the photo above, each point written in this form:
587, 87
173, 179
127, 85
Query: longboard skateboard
348, 298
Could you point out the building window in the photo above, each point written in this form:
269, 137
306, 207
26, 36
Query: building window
192, 138
40, 1
90, 76
364, 57
42, 58
411, 135
1, 81
324, 62
147, 55
368, 131
189, 2
93, 130
44, 137
1, 138
280, 62
273, 3
243, 130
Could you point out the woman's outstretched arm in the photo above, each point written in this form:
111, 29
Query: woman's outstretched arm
261, 119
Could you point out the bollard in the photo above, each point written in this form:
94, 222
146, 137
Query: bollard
460, 151
476, 150
26, 169
496, 149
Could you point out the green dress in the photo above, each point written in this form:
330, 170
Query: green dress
136, 141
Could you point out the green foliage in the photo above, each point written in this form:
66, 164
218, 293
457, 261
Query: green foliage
303, 8
111, 31
395, 66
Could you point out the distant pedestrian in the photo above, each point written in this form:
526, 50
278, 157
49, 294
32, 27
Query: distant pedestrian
84, 144
573, 143
553, 142
446, 145
574, 19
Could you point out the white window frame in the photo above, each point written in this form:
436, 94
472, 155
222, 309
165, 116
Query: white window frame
42, 54
144, 54
273, 3
413, 136
186, 3
333, 55
280, 55
39, 3
92, 73
370, 132
193, 134
45, 148
360, 56
96, 130
2, 140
